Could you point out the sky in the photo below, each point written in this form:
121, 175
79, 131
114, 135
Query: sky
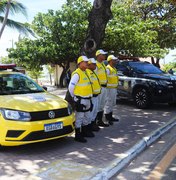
10, 36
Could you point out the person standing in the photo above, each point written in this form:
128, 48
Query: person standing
111, 89
96, 91
80, 89
102, 76
171, 71
68, 77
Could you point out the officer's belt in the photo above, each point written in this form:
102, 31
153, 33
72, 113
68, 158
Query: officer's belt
103, 85
95, 95
83, 97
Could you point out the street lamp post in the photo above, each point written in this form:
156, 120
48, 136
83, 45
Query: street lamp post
12, 43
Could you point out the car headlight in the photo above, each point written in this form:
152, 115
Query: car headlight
15, 115
69, 109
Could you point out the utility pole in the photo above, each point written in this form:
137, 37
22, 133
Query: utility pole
12, 47
12, 43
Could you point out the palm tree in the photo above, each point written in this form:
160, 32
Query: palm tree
13, 7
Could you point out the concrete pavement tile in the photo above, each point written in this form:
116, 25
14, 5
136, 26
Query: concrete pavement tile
62, 169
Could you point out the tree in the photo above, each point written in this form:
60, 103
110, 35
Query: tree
129, 34
63, 31
6, 60
13, 7
98, 19
171, 65
162, 14
157, 15
28, 55
60, 35
35, 74
50, 71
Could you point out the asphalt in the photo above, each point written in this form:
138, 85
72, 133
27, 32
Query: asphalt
112, 148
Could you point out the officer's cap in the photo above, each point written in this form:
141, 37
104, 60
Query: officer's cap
100, 51
82, 59
92, 61
111, 57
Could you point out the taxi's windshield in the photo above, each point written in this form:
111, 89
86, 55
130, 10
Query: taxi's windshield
17, 84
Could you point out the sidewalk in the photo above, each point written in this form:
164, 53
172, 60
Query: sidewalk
112, 148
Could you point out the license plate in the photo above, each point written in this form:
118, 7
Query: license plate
53, 126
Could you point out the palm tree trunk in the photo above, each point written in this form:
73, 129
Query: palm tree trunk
5, 18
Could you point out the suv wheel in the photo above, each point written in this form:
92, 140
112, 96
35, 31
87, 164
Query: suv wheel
142, 98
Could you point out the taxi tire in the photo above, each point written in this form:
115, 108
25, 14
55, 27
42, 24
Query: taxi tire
1, 148
142, 98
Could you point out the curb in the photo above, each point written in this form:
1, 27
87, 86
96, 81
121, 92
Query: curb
117, 165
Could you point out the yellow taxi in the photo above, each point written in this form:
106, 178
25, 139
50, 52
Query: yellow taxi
28, 113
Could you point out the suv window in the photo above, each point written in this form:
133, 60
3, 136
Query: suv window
122, 69
145, 68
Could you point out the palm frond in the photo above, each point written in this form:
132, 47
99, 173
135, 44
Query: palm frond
21, 27
15, 7
3, 4
1, 19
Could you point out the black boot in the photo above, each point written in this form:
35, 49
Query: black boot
100, 121
108, 118
113, 119
89, 128
78, 136
86, 131
94, 126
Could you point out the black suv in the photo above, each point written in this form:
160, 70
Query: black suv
145, 84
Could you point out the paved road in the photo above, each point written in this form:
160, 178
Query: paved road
67, 159
170, 174
158, 162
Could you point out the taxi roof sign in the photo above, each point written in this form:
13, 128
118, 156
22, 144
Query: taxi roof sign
7, 66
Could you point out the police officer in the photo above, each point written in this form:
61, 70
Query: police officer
111, 88
101, 73
96, 91
80, 89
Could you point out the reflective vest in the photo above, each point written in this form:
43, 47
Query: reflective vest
95, 82
101, 73
113, 78
83, 88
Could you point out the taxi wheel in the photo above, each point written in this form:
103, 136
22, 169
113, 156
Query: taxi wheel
142, 98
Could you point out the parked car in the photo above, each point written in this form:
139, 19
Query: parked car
28, 113
145, 84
